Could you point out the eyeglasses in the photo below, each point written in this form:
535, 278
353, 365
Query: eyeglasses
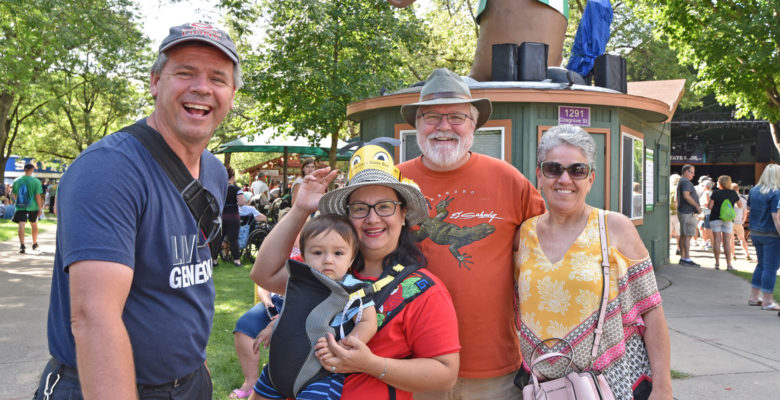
553, 170
384, 208
431, 118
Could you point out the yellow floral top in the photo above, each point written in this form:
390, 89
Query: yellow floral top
562, 300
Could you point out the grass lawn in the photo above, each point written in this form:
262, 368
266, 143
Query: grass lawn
234, 297
9, 229
748, 276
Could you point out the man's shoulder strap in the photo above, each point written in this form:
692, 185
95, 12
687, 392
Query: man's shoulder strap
168, 160
190, 188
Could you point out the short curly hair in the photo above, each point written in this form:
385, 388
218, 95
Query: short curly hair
571, 135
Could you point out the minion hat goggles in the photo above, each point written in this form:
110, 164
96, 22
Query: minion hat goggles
373, 165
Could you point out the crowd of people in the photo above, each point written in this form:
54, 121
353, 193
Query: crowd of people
711, 231
714, 215
383, 293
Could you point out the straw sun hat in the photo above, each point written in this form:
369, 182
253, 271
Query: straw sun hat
373, 165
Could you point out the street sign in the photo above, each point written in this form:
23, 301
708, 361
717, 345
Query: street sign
569, 115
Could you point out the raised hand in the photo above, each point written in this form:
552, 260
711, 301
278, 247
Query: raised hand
313, 187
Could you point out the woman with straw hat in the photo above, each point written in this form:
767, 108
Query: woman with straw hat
416, 347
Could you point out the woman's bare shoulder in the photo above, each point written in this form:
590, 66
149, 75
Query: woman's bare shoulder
624, 236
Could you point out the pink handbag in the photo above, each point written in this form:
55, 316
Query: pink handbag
579, 385
587, 385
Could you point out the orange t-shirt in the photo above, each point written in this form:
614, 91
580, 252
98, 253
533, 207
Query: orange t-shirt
468, 237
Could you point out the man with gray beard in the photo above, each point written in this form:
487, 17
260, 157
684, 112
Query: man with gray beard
476, 205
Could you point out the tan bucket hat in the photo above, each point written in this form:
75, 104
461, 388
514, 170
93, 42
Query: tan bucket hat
445, 87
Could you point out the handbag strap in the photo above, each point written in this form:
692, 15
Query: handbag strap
605, 283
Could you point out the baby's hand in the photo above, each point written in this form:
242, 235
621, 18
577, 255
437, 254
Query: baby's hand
321, 348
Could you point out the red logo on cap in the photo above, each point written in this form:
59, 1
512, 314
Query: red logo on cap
201, 29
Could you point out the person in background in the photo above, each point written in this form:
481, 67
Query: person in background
53, 196
722, 230
674, 222
473, 256
10, 210
132, 294
231, 220
738, 225
307, 167
704, 216
3, 204
687, 209
764, 205
561, 280
28, 192
45, 186
260, 190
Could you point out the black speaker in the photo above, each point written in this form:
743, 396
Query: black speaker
609, 72
532, 61
504, 67
764, 146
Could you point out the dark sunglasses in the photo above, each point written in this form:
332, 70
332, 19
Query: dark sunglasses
553, 170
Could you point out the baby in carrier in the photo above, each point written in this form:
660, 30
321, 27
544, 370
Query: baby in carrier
328, 244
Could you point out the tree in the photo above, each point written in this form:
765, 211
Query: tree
733, 46
98, 106
452, 36
647, 57
319, 56
42, 37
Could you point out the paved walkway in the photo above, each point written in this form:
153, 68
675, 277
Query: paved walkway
25, 280
728, 349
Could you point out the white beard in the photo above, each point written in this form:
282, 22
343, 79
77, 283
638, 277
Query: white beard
444, 154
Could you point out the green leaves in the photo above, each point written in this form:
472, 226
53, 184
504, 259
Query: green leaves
319, 56
69, 72
733, 46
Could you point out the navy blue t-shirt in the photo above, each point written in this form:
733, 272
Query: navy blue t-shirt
115, 203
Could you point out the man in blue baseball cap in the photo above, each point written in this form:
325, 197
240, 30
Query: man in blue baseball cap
132, 299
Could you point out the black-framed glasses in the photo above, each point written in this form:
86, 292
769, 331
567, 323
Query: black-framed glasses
554, 170
383, 208
432, 118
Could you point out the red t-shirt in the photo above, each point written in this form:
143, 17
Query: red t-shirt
426, 327
474, 213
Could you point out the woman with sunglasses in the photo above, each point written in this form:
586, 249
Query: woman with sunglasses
416, 347
560, 280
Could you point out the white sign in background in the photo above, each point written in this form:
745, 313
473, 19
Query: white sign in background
649, 195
